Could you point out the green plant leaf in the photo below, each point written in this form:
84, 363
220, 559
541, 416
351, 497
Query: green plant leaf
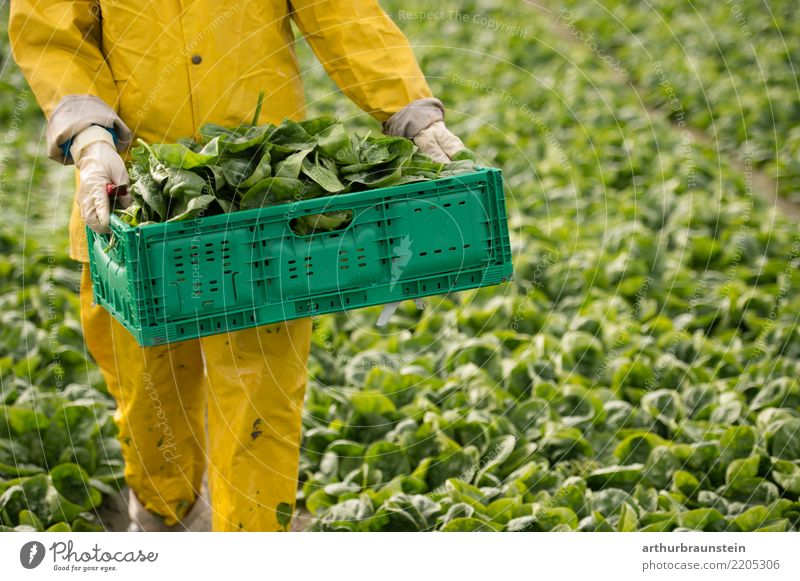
466, 525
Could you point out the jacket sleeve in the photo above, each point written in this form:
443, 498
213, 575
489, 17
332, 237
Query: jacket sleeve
364, 52
57, 44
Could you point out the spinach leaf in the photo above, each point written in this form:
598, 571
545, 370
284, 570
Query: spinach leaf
335, 143
193, 208
182, 183
322, 175
236, 170
148, 191
291, 166
177, 155
271, 191
261, 171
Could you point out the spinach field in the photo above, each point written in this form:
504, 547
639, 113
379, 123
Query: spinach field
639, 374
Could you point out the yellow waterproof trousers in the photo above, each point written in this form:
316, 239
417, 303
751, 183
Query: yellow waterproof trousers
252, 382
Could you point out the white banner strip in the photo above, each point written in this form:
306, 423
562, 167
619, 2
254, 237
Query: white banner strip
390, 556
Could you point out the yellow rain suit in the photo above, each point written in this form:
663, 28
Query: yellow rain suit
166, 68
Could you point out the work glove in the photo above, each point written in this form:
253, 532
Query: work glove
99, 165
78, 131
438, 142
422, 121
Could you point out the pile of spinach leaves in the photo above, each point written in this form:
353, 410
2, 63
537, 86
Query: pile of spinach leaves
252, 166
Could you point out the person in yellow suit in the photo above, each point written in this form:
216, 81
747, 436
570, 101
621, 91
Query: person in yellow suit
107, 71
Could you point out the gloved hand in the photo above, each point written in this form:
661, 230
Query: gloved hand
99, 164
438, 142
422, 121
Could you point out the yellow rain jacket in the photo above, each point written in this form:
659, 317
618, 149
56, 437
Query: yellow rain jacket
167, 67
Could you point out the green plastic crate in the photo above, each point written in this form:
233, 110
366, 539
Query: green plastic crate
182, 280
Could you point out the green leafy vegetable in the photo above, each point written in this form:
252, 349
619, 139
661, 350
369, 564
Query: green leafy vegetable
255, 166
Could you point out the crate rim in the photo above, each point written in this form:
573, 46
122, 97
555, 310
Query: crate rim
300, 208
